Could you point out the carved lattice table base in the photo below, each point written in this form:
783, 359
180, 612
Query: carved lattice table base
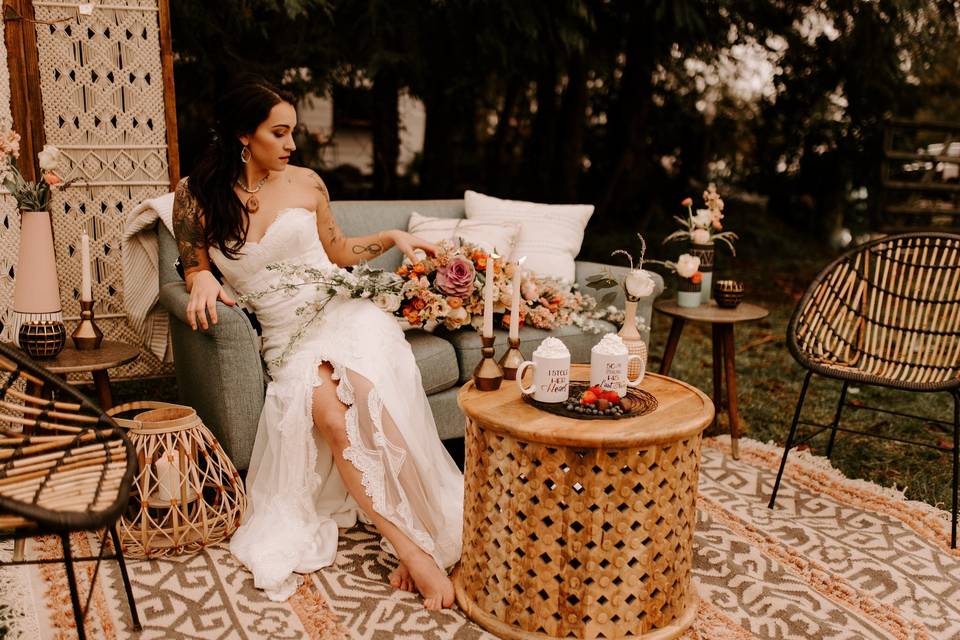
581, 529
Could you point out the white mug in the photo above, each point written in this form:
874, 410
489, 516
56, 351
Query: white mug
551, 378
610, 372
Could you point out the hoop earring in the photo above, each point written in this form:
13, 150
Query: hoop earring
245, 155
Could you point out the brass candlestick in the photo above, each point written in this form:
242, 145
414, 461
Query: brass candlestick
87, 336
511, 360
488, 375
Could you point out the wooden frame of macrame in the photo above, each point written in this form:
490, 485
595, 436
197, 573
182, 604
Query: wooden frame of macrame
24, 38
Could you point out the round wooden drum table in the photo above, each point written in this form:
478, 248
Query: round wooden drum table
581, 528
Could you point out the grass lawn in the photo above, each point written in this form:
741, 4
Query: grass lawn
776, 263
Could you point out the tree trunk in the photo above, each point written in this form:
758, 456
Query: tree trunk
499, 164
540, 157
386, 133
436, 175
573, 113
629, 122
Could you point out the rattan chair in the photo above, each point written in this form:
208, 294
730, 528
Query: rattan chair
886, 313
64, 466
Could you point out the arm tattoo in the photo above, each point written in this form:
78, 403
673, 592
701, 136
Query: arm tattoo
373, 249
319, 186
187, 228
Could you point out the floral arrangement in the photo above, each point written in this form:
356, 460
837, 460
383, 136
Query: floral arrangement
447, 289
686, 267
636, 284
30, 196
704, 226
382, 287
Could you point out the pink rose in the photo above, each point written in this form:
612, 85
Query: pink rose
456, 277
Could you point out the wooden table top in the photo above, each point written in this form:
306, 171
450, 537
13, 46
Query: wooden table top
110, 354
682, 411
710, 312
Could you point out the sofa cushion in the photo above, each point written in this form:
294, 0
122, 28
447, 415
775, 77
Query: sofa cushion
493, 236
435, 359
466, 343
550, 234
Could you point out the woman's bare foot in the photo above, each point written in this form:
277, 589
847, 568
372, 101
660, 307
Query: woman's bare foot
432, 583
400, 579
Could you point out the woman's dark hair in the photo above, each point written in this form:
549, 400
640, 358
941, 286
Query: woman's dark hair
239, 110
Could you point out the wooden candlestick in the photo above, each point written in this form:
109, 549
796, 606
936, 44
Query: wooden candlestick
87, 336
488, 375
511, 360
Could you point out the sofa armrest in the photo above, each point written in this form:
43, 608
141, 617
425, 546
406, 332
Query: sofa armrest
644, 306
219, 372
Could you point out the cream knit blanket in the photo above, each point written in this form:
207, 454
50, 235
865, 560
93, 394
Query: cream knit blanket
141, 273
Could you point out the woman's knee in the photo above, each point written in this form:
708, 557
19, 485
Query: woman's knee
329, 418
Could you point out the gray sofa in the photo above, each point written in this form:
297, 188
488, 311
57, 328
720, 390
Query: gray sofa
220, 373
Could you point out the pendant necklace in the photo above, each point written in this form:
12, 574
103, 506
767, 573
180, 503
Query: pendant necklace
253, 202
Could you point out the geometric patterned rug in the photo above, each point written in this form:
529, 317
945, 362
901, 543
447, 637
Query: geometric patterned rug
837, 559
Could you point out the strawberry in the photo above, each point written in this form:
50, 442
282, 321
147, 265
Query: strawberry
612, 397
596, 390
588, 397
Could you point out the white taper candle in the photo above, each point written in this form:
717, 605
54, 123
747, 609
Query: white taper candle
86, 287
515, 300
488, 298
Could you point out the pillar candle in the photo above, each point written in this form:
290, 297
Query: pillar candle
168, 476
488, 298
86, 289
515, 301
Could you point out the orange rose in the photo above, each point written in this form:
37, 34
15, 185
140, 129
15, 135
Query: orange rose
454, 302
696, 278
419, 304
402, 271
420, 268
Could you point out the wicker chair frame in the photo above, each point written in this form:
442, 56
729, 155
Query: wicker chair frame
886, 313
64, 466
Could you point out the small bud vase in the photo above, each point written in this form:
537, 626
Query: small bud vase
37, 315
707, 255
688, 293
634, 341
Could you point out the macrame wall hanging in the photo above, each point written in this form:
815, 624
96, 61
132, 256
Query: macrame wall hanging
101, 78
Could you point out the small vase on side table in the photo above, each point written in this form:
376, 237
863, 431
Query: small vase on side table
634, 341
688, 293
707, 255
37, 315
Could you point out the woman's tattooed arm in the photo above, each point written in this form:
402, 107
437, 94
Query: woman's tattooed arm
341, 249
188, 230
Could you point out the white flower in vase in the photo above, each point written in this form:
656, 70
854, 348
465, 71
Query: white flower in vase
639, 284
687, 265
700, 236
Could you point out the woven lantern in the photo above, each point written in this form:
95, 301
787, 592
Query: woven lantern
187, 494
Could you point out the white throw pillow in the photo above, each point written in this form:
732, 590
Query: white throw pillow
488, 234
550, 234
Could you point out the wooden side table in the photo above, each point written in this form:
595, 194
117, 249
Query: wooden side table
721, 321
577, 528
96, 361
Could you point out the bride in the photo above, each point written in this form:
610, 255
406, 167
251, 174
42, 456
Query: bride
345, 425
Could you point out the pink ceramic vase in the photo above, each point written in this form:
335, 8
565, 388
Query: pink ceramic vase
37, 314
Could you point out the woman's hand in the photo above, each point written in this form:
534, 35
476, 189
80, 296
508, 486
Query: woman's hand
408, 243
204, 293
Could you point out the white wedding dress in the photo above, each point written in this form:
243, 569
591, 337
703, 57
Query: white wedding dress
297, 499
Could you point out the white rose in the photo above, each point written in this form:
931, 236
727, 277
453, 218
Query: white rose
702, 218
639, 284
700, 236
687, 265
49, 158
388, 302
456, 318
